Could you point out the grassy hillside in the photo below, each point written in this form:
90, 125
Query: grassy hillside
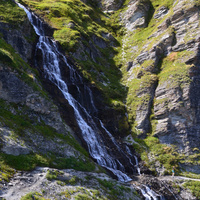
81, 29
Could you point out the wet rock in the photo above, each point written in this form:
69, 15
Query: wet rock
13, 88
17, 38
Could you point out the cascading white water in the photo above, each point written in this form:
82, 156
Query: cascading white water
148, 193
89, 130
137, 165
151, 193
136, 160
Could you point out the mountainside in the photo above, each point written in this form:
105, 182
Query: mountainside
137, 71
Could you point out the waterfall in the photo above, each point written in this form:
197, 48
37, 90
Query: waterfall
148, 193
137, 165
136, 160
89, 129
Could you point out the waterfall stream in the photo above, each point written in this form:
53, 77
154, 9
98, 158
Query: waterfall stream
89, 129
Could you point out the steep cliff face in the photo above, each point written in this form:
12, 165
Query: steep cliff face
161, 68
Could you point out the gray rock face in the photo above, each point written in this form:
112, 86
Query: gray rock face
136, 14
11, 144
14, 90
176, 99
176, 114
111, 4
162, 11
144, 109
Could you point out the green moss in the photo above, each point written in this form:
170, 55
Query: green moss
73, 180
83, 197
11, 13
158, 3
68, 38
60, 13
30, 161
73, 163
115, 191
53, 174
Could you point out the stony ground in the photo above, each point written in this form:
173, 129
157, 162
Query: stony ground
65, 184
71, 184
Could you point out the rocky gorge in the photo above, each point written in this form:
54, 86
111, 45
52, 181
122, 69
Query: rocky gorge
139, 66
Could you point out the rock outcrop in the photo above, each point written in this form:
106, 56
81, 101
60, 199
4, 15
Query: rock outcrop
22, 39
168, 48
136, 15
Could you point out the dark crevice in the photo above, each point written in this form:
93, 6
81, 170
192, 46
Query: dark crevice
150, 13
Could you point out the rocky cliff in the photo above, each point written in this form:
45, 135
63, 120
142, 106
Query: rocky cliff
162, 74
141, 60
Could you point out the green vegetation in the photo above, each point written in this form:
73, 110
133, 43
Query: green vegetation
6, 172
139, 96
53, 174
77, 27
190, 175
33, 196
158, 3
11, 13
113, 189
24, 162
152, 152
174, 71
74, 163
194, 186
30, 161
167, 156
82, 193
